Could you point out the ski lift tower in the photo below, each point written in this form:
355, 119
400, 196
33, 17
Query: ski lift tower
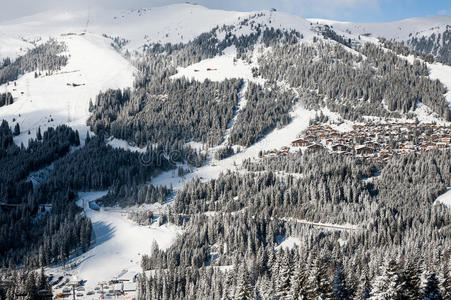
101, 286
88, 20
74, 284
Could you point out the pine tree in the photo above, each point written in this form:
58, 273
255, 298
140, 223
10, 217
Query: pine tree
43, 283
431, 290
363, 290
412, 278
340, 289
319, 286
38, 134
16, 129
243, 290
387, 285
446, 280
284, 276
88, 138
299, 284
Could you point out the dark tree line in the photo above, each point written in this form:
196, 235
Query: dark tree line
209, 44
128, 195
328, 33
25, 285
38, 224
6, 99
16, 162
224, 152
171, 111
45, 57
401, 49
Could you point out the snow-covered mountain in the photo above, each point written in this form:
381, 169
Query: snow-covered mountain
173, 23
104, 50
399, 30
92, 60
178, 23
428, 35
95, 64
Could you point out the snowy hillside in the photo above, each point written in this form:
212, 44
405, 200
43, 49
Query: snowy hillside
173, 24
399, 30
239, 95
48, 101
178, 23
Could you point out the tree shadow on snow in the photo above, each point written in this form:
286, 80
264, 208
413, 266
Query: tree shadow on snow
102, 232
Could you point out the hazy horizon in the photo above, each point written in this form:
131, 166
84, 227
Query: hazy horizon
340, 10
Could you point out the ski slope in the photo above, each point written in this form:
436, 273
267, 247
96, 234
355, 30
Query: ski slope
218, 68
276, 139
92, 63
117, 246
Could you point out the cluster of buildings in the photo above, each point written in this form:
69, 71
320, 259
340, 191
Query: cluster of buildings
376, 141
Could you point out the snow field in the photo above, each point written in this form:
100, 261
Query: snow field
93, 63
445, 198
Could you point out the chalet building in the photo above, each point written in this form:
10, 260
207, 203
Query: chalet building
341, 147
376, 141
334, 134
371, 144
300, 143
310, 138
441, 145
364, 150
315, 147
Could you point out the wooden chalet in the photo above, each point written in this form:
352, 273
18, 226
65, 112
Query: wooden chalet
300, 143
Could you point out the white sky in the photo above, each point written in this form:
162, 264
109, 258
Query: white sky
350, 10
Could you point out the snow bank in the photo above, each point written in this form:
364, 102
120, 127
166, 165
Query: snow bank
289, 243
445, 198
122, 144
218, 68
